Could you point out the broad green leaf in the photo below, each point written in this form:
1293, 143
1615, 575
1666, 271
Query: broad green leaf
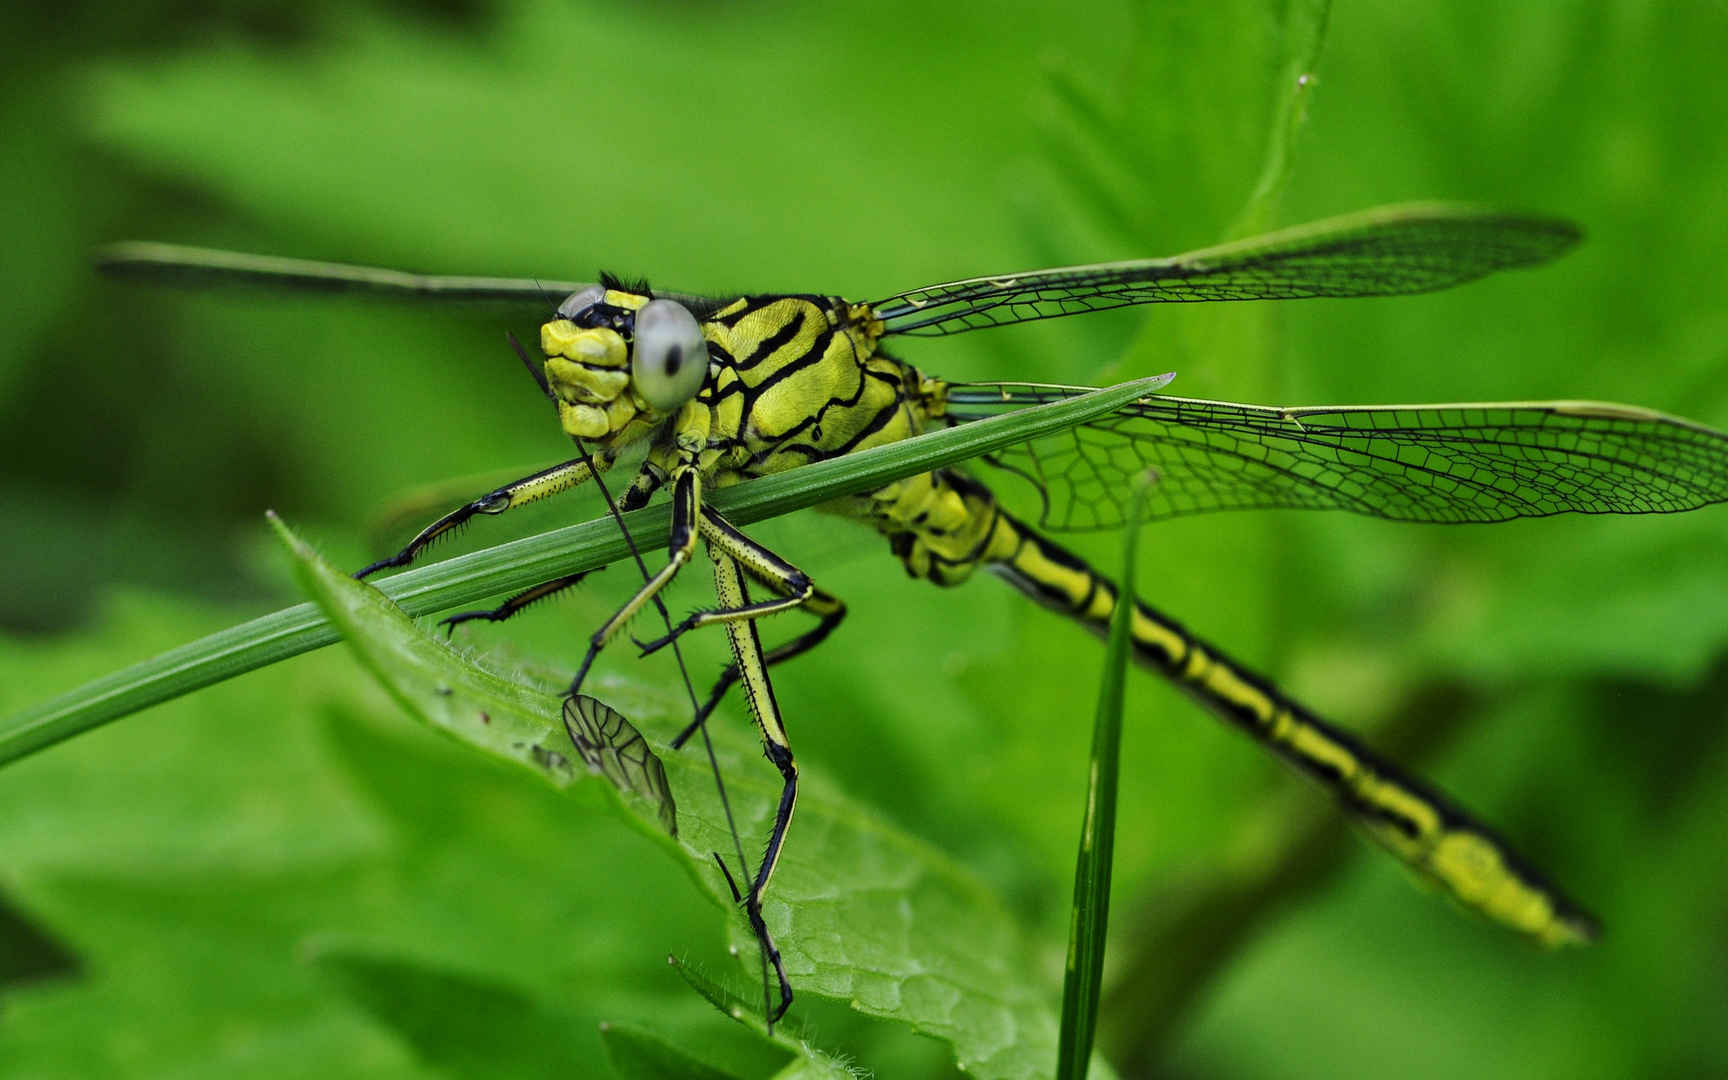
429, 678
809, 1061
861, 912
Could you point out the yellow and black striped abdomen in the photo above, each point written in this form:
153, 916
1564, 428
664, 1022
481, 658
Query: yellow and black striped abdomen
1410, 819
945, 525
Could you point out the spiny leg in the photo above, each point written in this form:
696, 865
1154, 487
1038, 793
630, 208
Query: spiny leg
559, 478
747, 652
531, 595
642, 488
792, 584
803, 643
756, 609
795, 590
648, 479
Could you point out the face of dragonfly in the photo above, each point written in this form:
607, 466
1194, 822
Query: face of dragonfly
619, 363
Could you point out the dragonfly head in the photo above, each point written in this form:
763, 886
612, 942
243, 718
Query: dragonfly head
619, 361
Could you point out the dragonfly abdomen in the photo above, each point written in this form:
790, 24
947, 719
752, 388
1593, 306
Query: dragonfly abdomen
942, 525
1420, 826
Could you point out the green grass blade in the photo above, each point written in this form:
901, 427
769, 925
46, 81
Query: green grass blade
516, 565
1082, 984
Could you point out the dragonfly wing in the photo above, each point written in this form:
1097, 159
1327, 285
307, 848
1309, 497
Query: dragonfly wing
611, 746
534, 297
1384, 252
208, 266
1472, 462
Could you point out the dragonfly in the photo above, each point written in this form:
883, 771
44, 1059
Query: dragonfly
718, 390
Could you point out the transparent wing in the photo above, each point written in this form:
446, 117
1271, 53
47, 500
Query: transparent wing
612, 747
208, 266
1473, 462
1383, 252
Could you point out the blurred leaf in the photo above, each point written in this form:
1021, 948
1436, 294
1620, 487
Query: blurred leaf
640, 1055
28, 952
1302, 38
459, 1024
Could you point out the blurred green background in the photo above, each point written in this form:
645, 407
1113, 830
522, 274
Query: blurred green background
283, 875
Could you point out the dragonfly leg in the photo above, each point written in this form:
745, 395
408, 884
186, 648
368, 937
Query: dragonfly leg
686, 512
793, 585
713, 616
830, 611
559, 478
795, 590
648, 479
752, 664
532, 594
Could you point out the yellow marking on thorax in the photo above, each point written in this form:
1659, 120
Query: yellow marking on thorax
820, 384
728, 408
805, 378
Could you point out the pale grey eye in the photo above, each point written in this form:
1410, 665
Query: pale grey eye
670, 358
579, 301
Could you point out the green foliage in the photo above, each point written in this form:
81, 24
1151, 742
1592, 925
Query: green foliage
639, 1055
283, 875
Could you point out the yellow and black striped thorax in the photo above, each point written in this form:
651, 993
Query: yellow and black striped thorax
796, 379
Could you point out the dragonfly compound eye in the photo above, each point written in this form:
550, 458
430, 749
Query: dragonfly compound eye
670, 358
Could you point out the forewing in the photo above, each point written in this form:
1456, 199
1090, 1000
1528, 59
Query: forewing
1384, 252
1473, 462
179, 264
